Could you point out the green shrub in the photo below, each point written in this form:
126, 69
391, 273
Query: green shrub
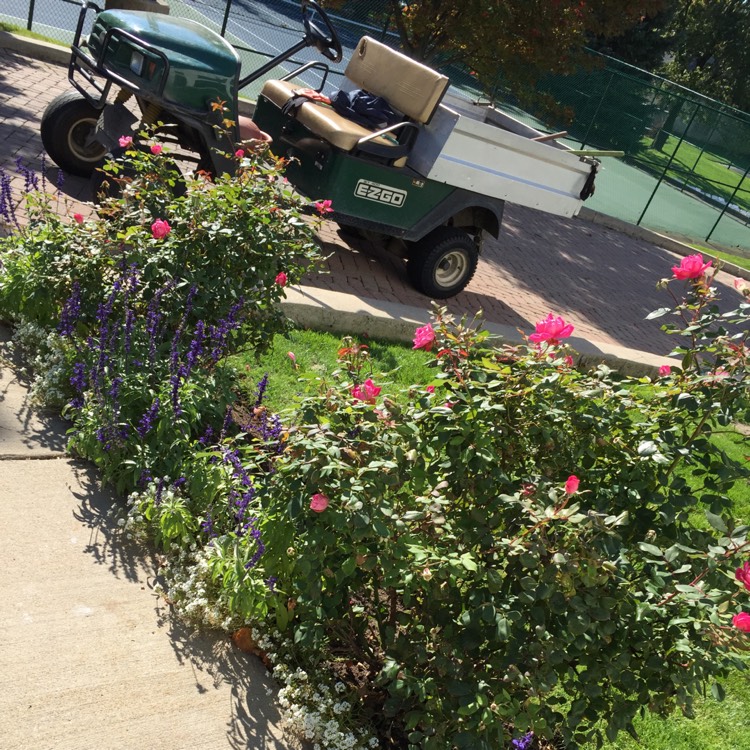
448, 547
151, 298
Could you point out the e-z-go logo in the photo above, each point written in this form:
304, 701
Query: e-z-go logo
373, 191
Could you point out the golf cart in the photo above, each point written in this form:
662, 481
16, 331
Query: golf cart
432, 183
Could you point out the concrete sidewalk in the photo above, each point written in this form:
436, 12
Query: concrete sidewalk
90, 658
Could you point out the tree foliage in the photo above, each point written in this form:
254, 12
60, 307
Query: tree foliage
521, 39
710, 51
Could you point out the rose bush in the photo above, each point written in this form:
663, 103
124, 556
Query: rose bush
477, 583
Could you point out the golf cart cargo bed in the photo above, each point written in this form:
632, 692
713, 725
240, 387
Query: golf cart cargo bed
482, 158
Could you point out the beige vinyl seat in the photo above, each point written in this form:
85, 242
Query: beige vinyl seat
407, 85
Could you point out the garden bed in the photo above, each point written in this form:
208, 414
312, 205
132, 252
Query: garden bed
496, 549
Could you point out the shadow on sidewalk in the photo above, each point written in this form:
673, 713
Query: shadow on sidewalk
209, 654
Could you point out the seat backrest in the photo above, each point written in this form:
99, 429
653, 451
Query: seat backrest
408, 86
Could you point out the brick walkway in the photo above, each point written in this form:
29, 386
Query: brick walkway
600, 280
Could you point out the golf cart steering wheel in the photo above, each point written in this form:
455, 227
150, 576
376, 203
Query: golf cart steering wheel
325, 39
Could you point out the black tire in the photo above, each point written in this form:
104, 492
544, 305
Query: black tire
67, 126
443, 262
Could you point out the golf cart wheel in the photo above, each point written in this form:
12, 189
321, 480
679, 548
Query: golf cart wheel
67, 131
443, 262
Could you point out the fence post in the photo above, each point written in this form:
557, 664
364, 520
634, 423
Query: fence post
728, 203
387, 25
30, 20
224, 22
669, 163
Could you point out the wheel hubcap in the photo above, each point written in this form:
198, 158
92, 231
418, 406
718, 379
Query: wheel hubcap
81, 141
451, 269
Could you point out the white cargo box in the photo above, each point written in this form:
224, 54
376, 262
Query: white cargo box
486, 159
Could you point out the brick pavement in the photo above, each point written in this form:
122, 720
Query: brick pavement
600, 280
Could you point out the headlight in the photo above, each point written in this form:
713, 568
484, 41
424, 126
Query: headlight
136, 63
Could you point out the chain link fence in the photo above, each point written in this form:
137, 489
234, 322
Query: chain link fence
686, 157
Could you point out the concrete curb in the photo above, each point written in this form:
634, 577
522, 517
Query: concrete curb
661, 240
346, 314
36, 48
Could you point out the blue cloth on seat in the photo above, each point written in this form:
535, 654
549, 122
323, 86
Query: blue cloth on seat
365, 109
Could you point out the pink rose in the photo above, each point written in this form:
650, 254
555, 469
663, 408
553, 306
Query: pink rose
239, 153
281, 278
125, 141
665, 371
430, 389
741, 286
366, 392
571, 486
160, 229
569, 361
691, 267
741, 621
156, 148
743, 575
323, 207
551, 329
319, 502
424, 338
78, 218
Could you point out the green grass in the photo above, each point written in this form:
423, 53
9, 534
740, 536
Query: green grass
393, 366
738, 260
711, 174
20, 31
717, 725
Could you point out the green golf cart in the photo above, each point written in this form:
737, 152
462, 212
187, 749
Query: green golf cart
432, 185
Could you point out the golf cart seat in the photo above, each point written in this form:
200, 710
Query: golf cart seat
407, 85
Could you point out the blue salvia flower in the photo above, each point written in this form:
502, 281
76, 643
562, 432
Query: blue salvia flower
127, 336
43, 171
114, 391
159, 491
78, 381
207, 436
60, 179
111, 435
523, 743
227, 423
271, 583
147, 420
153, 320
260, 547
7, 204
107, 337
175, 354
196, 346
260, 392
174, 381
220, 332
71, 311
207, 527
31, 181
